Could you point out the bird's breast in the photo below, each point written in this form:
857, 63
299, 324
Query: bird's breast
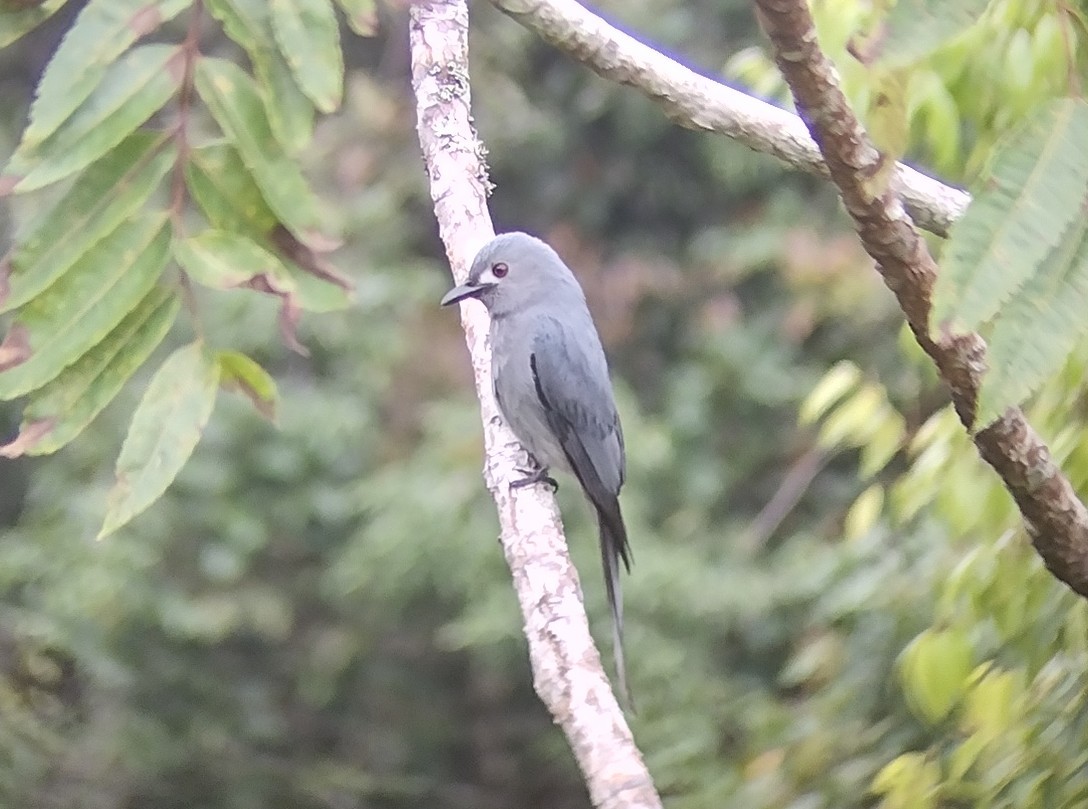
518, 400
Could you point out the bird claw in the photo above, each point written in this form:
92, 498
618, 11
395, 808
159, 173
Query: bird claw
539, 475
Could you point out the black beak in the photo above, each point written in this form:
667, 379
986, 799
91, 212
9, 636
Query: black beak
463, 292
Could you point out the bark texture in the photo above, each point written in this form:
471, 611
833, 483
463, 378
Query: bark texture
567, 672
1056, 519
698, 102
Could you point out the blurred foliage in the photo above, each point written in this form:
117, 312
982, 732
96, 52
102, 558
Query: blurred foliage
831, 611
988, 91
957, 75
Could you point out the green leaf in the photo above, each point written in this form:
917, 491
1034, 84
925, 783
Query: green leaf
910, 781
165, 430
864, 513
221, 259
226, 193
936, 669
309, 39
236, 107
105, 195
915, 28
994, 702
64, 407
1017, 217
320, 286
886, 440
315, 294
843, 378
362, 16
239, 372
80, 309
16, 22
131, 91
1034, 333
224, 260
103, 31
290, 112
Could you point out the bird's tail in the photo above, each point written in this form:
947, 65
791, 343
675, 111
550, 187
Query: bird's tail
614, 548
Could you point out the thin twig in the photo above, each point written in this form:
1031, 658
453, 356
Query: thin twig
789, 493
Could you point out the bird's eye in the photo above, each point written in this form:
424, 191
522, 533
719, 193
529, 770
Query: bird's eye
499, 270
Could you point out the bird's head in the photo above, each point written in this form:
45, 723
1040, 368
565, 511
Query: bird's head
512, 272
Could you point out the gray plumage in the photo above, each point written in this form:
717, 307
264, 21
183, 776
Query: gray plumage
552, 387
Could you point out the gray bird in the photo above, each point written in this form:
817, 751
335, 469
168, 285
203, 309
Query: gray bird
552, 387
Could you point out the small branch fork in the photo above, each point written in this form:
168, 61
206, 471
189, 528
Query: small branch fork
1056, 519
698, 102
839, 148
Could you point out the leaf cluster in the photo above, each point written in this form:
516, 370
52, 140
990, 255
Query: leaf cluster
149, 202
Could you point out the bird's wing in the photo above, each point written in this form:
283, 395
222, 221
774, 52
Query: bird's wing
571, 381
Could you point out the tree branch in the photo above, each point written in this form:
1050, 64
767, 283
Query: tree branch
1056, 519
567, 672
698, 102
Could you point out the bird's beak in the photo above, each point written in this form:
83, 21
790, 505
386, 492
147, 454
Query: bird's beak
463, 292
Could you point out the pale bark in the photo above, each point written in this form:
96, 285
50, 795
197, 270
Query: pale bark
567, 672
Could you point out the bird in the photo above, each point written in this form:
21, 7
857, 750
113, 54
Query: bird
551, 383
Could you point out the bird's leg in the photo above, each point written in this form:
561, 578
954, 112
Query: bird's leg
538, 474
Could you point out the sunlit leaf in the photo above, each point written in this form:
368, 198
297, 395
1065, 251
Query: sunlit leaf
886, 119
909, 781
236, 107
864, 512
290, 112
165, 430
80, 309
130, 92
103, 31
14, 22
239, 372
915, 28
1034, 333
856, 418
309, 39
843, 378
994, 702
1018, 216
886, 440
104, 196
935, 670
64, 407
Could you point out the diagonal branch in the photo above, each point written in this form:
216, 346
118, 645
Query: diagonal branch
567, 671
1055, 518
698, 102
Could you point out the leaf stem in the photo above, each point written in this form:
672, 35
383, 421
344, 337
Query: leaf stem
190, 47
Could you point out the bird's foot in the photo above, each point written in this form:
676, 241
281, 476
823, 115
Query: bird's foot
538, 475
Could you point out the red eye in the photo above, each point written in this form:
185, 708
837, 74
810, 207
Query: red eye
499, 270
